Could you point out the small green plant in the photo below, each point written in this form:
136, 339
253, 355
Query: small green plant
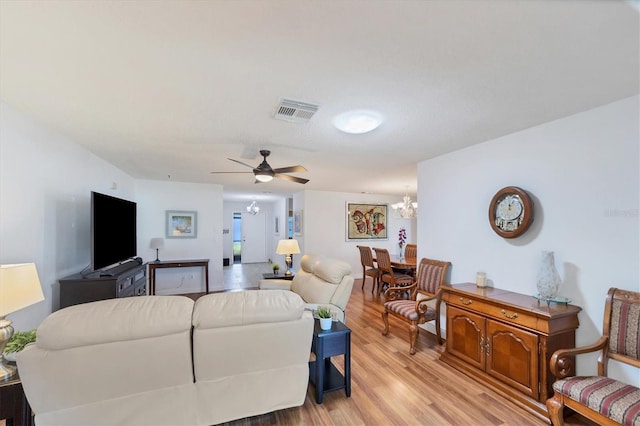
275, 267
19, 340
323, 312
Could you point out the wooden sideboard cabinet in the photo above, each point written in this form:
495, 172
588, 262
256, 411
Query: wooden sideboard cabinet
505, 340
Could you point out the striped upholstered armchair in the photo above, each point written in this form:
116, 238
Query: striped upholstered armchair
423, 303
602, 399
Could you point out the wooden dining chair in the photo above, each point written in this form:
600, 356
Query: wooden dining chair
368, 267
387, 275
424, 301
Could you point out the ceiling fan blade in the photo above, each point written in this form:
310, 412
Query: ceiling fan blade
290, 169
291, 178
214, 173
240, 162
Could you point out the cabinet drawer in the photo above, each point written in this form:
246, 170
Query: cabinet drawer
502, 313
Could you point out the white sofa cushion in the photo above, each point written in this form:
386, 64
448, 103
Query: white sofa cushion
128, 319
331, 270
105, 350
250, 346
246, 307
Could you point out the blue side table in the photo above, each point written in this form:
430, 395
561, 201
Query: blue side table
327, 343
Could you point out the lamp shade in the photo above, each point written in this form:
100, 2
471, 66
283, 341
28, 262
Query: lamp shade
157, 243
288, 247
19, 287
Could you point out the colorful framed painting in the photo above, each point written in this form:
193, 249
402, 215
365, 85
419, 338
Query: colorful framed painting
182, 224
367, 221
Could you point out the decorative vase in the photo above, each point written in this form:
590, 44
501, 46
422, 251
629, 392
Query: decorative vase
325, 323
401, 251
548, 279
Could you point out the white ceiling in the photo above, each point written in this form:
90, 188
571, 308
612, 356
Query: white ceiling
174, 88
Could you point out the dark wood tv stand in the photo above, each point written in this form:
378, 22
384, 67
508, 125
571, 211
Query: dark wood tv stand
128, 279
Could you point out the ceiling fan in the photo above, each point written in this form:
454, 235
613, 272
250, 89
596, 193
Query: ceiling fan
264, 172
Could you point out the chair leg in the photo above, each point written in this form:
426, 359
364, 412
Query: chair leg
440, 341
364, 277
555, 408
413, 337
385, 319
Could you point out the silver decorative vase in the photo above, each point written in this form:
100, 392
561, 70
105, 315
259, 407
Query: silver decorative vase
548, 280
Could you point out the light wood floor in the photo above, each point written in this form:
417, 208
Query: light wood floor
391, 387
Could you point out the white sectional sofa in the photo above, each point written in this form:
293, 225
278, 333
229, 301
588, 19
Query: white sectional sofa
320, 281
165, 360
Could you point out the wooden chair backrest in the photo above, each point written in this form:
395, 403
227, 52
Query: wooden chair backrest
366, 257
622, 328
384, 260
411, 251
431, 275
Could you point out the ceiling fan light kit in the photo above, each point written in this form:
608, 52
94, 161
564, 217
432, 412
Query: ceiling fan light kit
264, 172
263, 176
358, 121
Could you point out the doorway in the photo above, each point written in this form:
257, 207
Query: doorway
237, 237
249, 238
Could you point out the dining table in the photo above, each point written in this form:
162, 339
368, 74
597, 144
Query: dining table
403, 262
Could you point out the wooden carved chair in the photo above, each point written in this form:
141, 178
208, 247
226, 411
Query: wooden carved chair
411, 251
604, 400
418, 309
368, 267
387, 275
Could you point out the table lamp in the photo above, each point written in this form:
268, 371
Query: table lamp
157, 243
19, 288
288, 247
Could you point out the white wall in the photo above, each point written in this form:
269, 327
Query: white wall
45, 192
154, 199
324, 225
582, 172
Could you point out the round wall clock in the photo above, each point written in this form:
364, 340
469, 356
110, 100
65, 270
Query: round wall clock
511, 212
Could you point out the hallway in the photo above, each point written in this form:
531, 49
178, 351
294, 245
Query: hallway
244, 276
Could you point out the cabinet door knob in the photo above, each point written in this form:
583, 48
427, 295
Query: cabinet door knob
515, 315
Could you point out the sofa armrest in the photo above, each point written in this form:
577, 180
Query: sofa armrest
561, 364
275, 284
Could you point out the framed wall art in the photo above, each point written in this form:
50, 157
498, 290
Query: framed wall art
367, 221
181, 224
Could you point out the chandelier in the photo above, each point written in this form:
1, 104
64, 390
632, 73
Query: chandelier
407, 208
253, 208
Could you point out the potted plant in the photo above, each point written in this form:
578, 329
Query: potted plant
276, 268
17, 342
324, 314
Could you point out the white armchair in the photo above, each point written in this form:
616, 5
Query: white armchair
320, 281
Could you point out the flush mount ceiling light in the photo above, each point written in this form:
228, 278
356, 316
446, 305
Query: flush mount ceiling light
359, 121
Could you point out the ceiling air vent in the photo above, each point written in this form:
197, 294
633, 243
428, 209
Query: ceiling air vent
295, 111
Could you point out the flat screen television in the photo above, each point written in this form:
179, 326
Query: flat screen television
113, 231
